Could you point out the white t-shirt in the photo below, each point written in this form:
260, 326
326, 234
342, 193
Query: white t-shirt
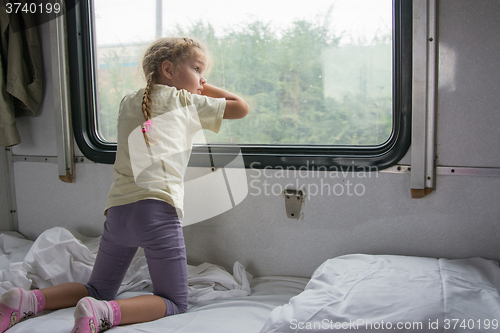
157, 171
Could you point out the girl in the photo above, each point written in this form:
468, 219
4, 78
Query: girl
141, 213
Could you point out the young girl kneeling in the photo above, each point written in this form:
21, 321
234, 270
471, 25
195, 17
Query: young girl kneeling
145, 203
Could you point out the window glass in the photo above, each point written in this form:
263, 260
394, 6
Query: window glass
314, 73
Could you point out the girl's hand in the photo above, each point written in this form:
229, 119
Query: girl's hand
236, 107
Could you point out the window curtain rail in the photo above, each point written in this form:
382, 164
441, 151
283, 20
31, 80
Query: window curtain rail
423, 98
64, 132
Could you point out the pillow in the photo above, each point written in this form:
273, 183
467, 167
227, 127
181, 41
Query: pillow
394, 293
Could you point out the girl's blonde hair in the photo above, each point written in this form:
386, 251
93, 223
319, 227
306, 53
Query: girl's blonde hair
177, 50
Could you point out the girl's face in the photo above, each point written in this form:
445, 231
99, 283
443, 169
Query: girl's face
189, 74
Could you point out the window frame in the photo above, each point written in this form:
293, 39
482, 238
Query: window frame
83, 90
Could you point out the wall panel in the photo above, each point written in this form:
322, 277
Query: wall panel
460, 219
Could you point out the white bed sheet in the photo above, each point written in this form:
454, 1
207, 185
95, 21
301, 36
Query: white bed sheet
218, 301
58, 256
238, 315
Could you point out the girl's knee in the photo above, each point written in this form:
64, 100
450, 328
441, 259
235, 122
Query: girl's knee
174, 308
100, 294
182, 308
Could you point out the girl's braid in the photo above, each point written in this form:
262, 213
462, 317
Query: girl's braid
146, 100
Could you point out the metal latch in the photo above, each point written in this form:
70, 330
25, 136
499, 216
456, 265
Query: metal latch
293, 203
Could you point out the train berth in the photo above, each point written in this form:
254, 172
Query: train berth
366, 292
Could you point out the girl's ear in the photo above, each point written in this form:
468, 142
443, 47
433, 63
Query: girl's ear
166, 69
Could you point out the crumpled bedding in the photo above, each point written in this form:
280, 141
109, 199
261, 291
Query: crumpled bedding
59, 256
215, 304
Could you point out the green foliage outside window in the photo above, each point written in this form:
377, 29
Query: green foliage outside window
303, 87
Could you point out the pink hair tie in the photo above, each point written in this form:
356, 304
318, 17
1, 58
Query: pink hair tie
145, 126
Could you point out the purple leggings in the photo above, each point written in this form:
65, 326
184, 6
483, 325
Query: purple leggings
154, 226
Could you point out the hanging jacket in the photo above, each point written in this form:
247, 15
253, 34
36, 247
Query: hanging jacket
21, 80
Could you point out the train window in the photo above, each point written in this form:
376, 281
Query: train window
328, 83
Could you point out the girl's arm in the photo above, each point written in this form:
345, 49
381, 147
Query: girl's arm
236, 107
